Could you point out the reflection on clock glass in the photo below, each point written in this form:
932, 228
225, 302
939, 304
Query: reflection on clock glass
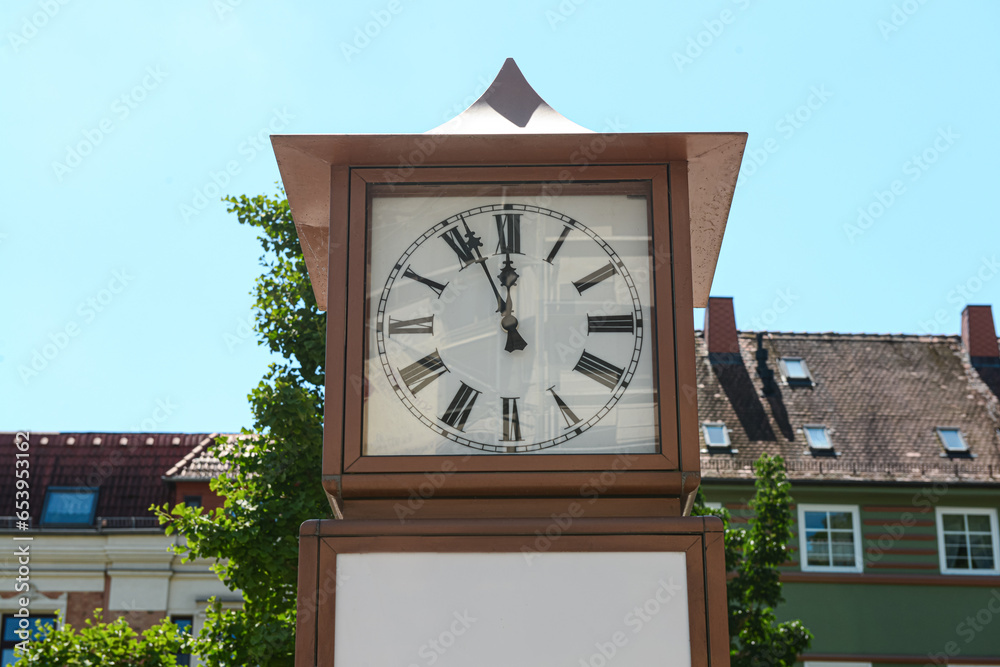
496, 325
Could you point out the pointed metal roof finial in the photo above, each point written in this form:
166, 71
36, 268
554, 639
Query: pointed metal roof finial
509, 106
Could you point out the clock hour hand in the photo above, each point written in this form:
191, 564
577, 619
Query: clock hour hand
474, 243
508, 278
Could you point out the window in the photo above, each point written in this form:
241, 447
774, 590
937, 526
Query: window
184, 624
795, 370
967, 540
837, 664
716, 434
192, 501
830, 538
11, 639
952, 439
69, 506
818, 437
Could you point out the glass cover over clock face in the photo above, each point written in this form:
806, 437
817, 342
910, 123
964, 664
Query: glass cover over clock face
509, 324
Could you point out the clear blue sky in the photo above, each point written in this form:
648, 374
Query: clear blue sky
116, 115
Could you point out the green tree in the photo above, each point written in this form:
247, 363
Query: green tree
273, 485
113, 644
753, 555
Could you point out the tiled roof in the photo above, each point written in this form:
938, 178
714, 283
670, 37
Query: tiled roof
880, 396
199, 464
128, 468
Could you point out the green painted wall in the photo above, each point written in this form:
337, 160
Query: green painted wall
902, 620
900, 538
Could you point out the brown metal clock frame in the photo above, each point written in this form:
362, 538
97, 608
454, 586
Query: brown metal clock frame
367, 486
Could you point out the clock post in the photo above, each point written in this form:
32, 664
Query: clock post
510, 432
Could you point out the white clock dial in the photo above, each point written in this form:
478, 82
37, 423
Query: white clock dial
496, 325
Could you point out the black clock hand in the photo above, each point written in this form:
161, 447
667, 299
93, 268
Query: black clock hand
474, 243
508, 278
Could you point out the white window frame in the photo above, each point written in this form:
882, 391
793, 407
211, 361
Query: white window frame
856, 529
965, 444
725, 433
713, 505
829, 438
994, 534
808, 377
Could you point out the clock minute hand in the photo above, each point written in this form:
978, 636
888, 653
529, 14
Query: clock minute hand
473, 244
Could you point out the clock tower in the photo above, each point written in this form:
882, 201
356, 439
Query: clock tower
510, 399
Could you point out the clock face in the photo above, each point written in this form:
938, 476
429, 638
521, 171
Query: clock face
501, 325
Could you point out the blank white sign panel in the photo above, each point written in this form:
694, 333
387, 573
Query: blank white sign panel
627, 609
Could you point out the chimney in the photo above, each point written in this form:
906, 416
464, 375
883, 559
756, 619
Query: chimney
720, 326
978, 334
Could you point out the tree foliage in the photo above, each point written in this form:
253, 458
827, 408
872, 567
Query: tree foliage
273, 485
753, 555
113, 644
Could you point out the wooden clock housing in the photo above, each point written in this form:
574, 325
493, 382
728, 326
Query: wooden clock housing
329, 180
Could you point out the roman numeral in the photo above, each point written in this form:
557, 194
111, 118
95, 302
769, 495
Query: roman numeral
458, 410
568, 415
421, 325
609, 324
588, 281
437, 287
555, 248
422, 372
511, 424
464, 246
597, 369
509, 231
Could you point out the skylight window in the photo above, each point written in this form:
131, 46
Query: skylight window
69, 506
795, 370
952, 439
716, 434
818, 437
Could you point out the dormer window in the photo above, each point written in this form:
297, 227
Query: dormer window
795, 371
69, 506
716, 435
952, 440
818, 437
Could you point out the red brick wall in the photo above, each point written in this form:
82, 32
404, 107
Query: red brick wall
81, 606
209, 499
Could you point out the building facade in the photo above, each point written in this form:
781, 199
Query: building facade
88, 539
891, 444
